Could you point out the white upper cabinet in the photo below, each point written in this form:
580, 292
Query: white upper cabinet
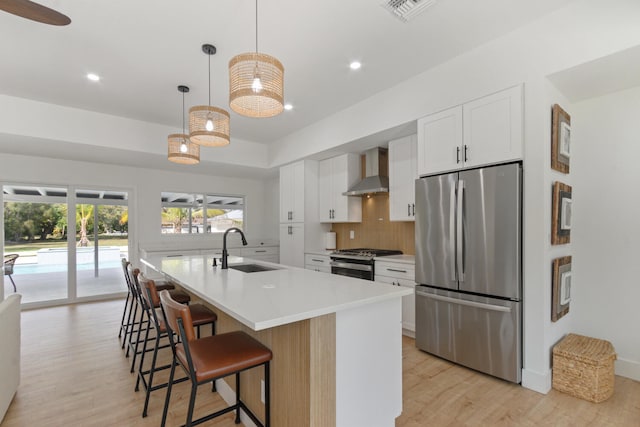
402, 176
481, 132
292, 182
440, 141
335, 176
493, 128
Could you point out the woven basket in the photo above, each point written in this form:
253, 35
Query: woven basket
583, 367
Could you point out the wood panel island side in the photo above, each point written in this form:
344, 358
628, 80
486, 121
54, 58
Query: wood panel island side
336, 341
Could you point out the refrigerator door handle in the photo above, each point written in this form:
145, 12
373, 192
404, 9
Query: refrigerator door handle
457, 301
452, 231
459, 230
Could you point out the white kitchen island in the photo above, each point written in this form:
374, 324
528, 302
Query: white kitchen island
337, 341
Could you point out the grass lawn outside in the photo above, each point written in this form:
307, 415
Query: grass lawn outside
31, 247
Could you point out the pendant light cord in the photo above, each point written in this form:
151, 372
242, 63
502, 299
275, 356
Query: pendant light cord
183, 114
209, 79
256, 26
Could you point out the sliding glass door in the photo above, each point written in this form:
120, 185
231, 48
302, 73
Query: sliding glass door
35, 243
101, 242
69, 242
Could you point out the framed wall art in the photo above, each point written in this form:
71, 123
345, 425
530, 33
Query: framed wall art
560, 139
561, 214
561, 287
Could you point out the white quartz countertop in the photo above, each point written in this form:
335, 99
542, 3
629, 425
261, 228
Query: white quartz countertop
402, 259
271, 298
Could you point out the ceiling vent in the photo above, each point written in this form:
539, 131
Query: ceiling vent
406, 10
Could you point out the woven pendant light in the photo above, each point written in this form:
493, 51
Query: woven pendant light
256, 83
209, 125
181, 149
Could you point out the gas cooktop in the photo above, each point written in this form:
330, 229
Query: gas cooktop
365, 252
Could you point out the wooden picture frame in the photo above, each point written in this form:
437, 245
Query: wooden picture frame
560, 139
561, 214
561, 287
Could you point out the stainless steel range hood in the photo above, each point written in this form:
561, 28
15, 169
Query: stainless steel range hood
376, 178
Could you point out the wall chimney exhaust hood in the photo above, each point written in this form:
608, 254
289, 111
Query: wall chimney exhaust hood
376, 177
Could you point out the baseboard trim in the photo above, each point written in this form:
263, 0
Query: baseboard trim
229, 396
536, 381
628, 368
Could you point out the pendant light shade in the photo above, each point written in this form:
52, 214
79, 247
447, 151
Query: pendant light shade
181, 149
256, 83
209, 125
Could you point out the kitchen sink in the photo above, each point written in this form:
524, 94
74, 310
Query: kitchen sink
251, 268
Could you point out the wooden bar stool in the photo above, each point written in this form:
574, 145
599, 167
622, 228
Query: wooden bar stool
210, 358
200, 315
145, 321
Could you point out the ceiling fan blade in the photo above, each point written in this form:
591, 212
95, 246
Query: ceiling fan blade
34, 11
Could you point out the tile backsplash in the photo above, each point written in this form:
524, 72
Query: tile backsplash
375, 230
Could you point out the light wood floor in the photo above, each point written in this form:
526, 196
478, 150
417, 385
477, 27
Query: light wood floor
75, 374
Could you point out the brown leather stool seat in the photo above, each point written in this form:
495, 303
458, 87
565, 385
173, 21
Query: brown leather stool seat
210, 358
201, 315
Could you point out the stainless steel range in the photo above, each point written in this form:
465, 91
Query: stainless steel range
359, 262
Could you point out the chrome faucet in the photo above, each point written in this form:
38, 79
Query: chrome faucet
225, 254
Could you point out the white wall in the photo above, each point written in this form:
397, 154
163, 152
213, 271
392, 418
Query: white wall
145, 186
606, 231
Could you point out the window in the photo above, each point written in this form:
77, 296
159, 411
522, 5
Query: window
186, 213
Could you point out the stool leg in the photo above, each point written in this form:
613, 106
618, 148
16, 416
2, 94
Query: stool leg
267, 396
168, 396
129, 323
135, 351
237, 398
192, 402
131, 330
151, 371
124, 314
13, 283
144, 351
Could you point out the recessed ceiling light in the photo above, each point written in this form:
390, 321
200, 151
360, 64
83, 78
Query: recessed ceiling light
355, 65
288, 107
93, 77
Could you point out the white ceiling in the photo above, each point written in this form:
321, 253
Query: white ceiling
144, 49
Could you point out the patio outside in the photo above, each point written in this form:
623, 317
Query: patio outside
37, 233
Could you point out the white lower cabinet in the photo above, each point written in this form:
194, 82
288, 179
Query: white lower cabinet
316, 262
262, 253
400, 274
292, 244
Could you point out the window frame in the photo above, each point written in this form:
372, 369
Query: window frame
194, 202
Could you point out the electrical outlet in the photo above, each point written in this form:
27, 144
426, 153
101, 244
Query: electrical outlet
352, 234
262, 390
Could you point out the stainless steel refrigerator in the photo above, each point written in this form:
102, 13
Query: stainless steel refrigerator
469, 268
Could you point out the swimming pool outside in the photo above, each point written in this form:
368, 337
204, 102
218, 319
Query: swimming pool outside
22, 269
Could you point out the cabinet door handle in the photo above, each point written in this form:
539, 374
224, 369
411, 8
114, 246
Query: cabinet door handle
317, 260
408, 209
396, 270
290, 231
466, 148
457, 155
413, 209
257, 251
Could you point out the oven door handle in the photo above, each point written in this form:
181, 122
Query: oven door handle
352, 266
